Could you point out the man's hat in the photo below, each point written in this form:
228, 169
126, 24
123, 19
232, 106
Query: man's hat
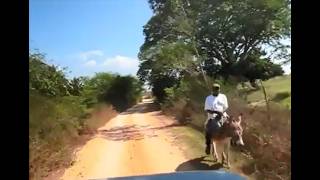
216, 85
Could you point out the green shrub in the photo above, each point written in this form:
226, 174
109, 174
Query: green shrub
281, 96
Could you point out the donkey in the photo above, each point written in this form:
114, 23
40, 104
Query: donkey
229, 134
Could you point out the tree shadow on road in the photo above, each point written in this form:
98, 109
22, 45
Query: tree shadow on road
142, 108
198, 164
133, 132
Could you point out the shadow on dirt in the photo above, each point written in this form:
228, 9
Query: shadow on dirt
142, 108
198, 164
132, 132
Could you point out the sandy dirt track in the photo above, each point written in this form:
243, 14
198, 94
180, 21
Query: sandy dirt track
136, 142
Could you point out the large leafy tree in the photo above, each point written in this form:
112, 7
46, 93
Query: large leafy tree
214, 37
230, 30
169, 50
255, 67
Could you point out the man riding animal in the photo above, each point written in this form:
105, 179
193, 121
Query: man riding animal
219, 126
216, 105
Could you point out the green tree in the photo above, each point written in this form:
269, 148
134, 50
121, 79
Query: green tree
255, 67
120, 91
218, 33
123, 92
163, 66
76, 86
95, 87
46, 79
169, 51
229, 30
174, 23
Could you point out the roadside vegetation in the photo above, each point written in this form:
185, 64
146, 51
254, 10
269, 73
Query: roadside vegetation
63, 112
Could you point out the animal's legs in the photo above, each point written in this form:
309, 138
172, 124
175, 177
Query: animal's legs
225, 155
214, 151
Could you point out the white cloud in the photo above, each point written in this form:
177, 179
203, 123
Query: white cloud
90, 63
89, 54
122, 65
121, 61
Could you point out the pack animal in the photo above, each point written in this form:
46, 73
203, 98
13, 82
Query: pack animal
229, 134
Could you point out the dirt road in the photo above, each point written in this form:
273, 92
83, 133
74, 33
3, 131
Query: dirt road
136, 142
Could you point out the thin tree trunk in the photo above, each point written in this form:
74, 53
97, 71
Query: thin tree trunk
267, 100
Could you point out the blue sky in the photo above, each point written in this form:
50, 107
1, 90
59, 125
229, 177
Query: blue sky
89, 36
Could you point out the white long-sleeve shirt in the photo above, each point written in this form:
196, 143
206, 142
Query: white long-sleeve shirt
216, 103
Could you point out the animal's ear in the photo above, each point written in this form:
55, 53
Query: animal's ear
230, 119
239, 118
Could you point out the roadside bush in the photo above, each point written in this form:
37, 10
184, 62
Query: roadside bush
53, 124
